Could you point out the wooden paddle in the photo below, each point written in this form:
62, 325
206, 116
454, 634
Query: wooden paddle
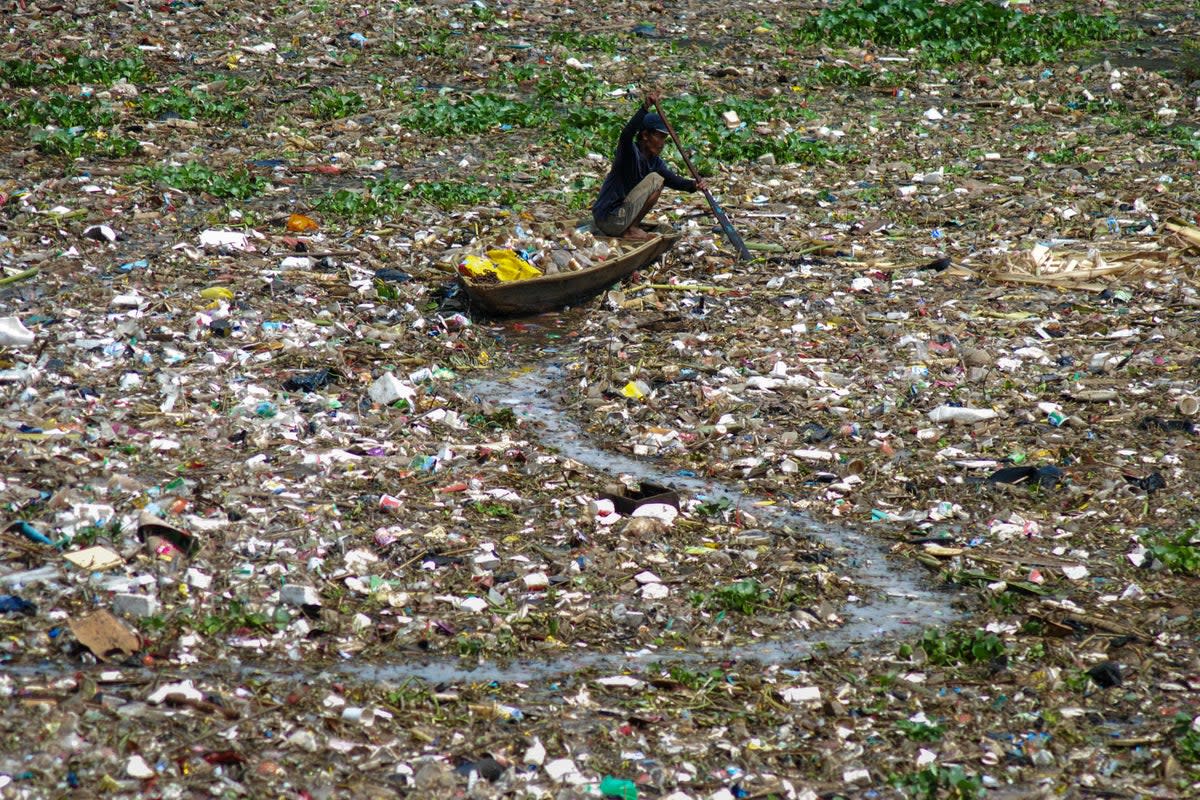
726, 225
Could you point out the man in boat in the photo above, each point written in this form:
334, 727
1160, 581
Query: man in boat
637, 176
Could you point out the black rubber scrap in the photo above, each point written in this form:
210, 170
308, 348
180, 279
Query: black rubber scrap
1106, 675
487, 768
1168, 425
1149, 484
815, 434
392, 276
439, 560
1047, 476
309, 381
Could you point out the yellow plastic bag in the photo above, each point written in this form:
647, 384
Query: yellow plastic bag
216, 293
636, 390
476, 266
506, 265
511, 267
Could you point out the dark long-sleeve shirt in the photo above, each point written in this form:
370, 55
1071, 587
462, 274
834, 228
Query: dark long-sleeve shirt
630, 165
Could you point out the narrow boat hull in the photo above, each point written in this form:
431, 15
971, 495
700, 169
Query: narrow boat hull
548, 292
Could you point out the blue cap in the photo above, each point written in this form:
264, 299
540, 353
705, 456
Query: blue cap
653, 122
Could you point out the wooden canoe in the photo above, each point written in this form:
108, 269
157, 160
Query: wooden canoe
548, 292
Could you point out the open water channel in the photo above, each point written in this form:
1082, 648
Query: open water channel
901, 599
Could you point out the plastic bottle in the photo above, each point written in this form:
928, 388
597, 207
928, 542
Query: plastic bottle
959, 414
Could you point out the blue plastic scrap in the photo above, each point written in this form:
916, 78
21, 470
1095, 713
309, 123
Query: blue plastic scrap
11, 604
31, 533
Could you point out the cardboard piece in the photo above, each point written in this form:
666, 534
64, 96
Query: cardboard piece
96, 558
106, 636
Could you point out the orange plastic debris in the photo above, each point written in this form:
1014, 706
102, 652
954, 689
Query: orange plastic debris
298, 223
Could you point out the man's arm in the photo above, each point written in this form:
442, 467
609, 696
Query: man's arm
672, 180
635, 123
632, 127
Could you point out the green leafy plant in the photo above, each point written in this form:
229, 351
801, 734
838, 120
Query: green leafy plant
744, 597
329, 103
19, 72
1178, 553
58, 110
578, 40
970, 30
697, 680
74, 68
920, 731
1077, 680
569, 86
470, 646
500, 419
77, 68
408, 694
76, 143
353, 205
494, 510
482, 13
1066, 154
1093, 105
1187, 138
935, 782
953, 647
385, 197
237, 183
235, 617
582, 192
387, 291
440, 43
154, 624
1002, 602
581, 126
452, 194
88, 536
1186, 739
473, 114
715, 507
194, 104
509, 75
1179, 135
837, 75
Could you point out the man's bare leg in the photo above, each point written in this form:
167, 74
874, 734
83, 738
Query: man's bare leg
635, 231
